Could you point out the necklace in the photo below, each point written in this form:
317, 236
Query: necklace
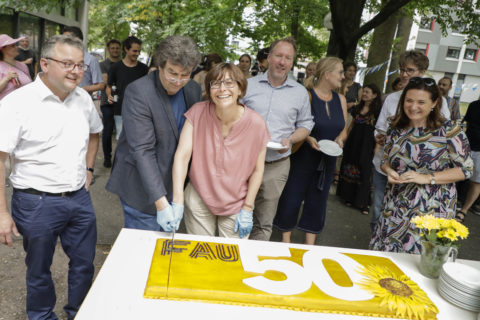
324, 97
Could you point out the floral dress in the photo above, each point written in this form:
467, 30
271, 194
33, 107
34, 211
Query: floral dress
424, 152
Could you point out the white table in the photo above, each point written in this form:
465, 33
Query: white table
117, 292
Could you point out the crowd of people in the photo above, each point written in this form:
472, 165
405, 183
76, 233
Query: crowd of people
230, 149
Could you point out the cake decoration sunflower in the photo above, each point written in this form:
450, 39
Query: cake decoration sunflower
400, 294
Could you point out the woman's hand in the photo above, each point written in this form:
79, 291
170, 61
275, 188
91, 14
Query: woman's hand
11, 74
415, 177
380, 139
393, 176
313, 142
339, 141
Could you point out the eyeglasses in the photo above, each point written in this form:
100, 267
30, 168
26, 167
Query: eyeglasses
170, 77
228, 83
70, 66
427, 81
408, 71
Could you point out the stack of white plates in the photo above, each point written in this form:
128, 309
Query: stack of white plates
460, 285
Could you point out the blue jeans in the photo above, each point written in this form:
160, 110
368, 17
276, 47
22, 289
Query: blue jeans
108, 123
118, 126
379, 186
41, 220
135, 219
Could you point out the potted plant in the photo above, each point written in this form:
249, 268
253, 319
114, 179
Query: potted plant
439, 237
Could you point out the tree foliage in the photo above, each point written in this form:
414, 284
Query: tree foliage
348, 29
303, 19
38, 5
213, 22
106, 22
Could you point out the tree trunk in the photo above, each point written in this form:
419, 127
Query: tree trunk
294, 22
346, 17
380, 50
403, 32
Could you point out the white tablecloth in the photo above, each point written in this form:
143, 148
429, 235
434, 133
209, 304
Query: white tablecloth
117, 292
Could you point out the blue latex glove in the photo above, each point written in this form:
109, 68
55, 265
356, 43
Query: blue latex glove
244, 223
166, 218
177, 213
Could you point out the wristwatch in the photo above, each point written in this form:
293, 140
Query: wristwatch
432, 180
90, 169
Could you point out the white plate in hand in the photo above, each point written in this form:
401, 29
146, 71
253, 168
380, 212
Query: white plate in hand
330, 147
275, 146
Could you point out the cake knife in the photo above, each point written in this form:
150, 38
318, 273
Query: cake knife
171, 254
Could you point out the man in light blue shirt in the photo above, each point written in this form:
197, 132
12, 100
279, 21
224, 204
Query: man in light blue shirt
92, 79
285, 106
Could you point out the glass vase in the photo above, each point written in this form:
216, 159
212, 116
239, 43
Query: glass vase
433, 257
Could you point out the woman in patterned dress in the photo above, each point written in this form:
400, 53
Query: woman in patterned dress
424, 155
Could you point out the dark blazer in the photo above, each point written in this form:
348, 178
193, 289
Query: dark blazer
142, 167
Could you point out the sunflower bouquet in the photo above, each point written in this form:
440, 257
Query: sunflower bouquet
440, 231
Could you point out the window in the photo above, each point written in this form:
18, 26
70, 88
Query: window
6, 21
471, 54
449, 75
422, 47
458, 26
427, 23
453, 52
51, 29
30, 25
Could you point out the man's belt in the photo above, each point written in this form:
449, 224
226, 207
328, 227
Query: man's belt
281, 159
40, 193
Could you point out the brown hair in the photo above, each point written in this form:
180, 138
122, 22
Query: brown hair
210, 59
417, 57
245, 55
434, 118
219, 71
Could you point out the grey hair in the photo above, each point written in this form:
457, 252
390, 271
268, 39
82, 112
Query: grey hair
50, 43
178, 50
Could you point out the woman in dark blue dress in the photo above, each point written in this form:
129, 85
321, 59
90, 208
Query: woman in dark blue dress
311, 171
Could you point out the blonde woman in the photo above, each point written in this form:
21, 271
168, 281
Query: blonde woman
311, 171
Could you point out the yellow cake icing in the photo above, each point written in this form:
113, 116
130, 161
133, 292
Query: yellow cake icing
304, 280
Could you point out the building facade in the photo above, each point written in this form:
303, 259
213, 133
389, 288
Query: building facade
39, 26
449, 56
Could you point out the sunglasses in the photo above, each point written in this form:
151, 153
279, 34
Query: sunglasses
426, 81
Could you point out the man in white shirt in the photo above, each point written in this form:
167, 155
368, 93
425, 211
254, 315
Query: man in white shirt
51, 129
413, 63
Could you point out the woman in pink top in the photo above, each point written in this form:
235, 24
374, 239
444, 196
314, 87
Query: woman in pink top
13, 74
226, 142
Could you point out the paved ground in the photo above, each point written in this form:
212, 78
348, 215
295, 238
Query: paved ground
345, 227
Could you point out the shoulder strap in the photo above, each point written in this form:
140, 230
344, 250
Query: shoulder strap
14, 66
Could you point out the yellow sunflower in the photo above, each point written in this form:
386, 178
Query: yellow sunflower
400, 294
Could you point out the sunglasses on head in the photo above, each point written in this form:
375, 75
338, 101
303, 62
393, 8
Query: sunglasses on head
427, 81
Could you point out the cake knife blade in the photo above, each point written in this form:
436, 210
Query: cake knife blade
170, 264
